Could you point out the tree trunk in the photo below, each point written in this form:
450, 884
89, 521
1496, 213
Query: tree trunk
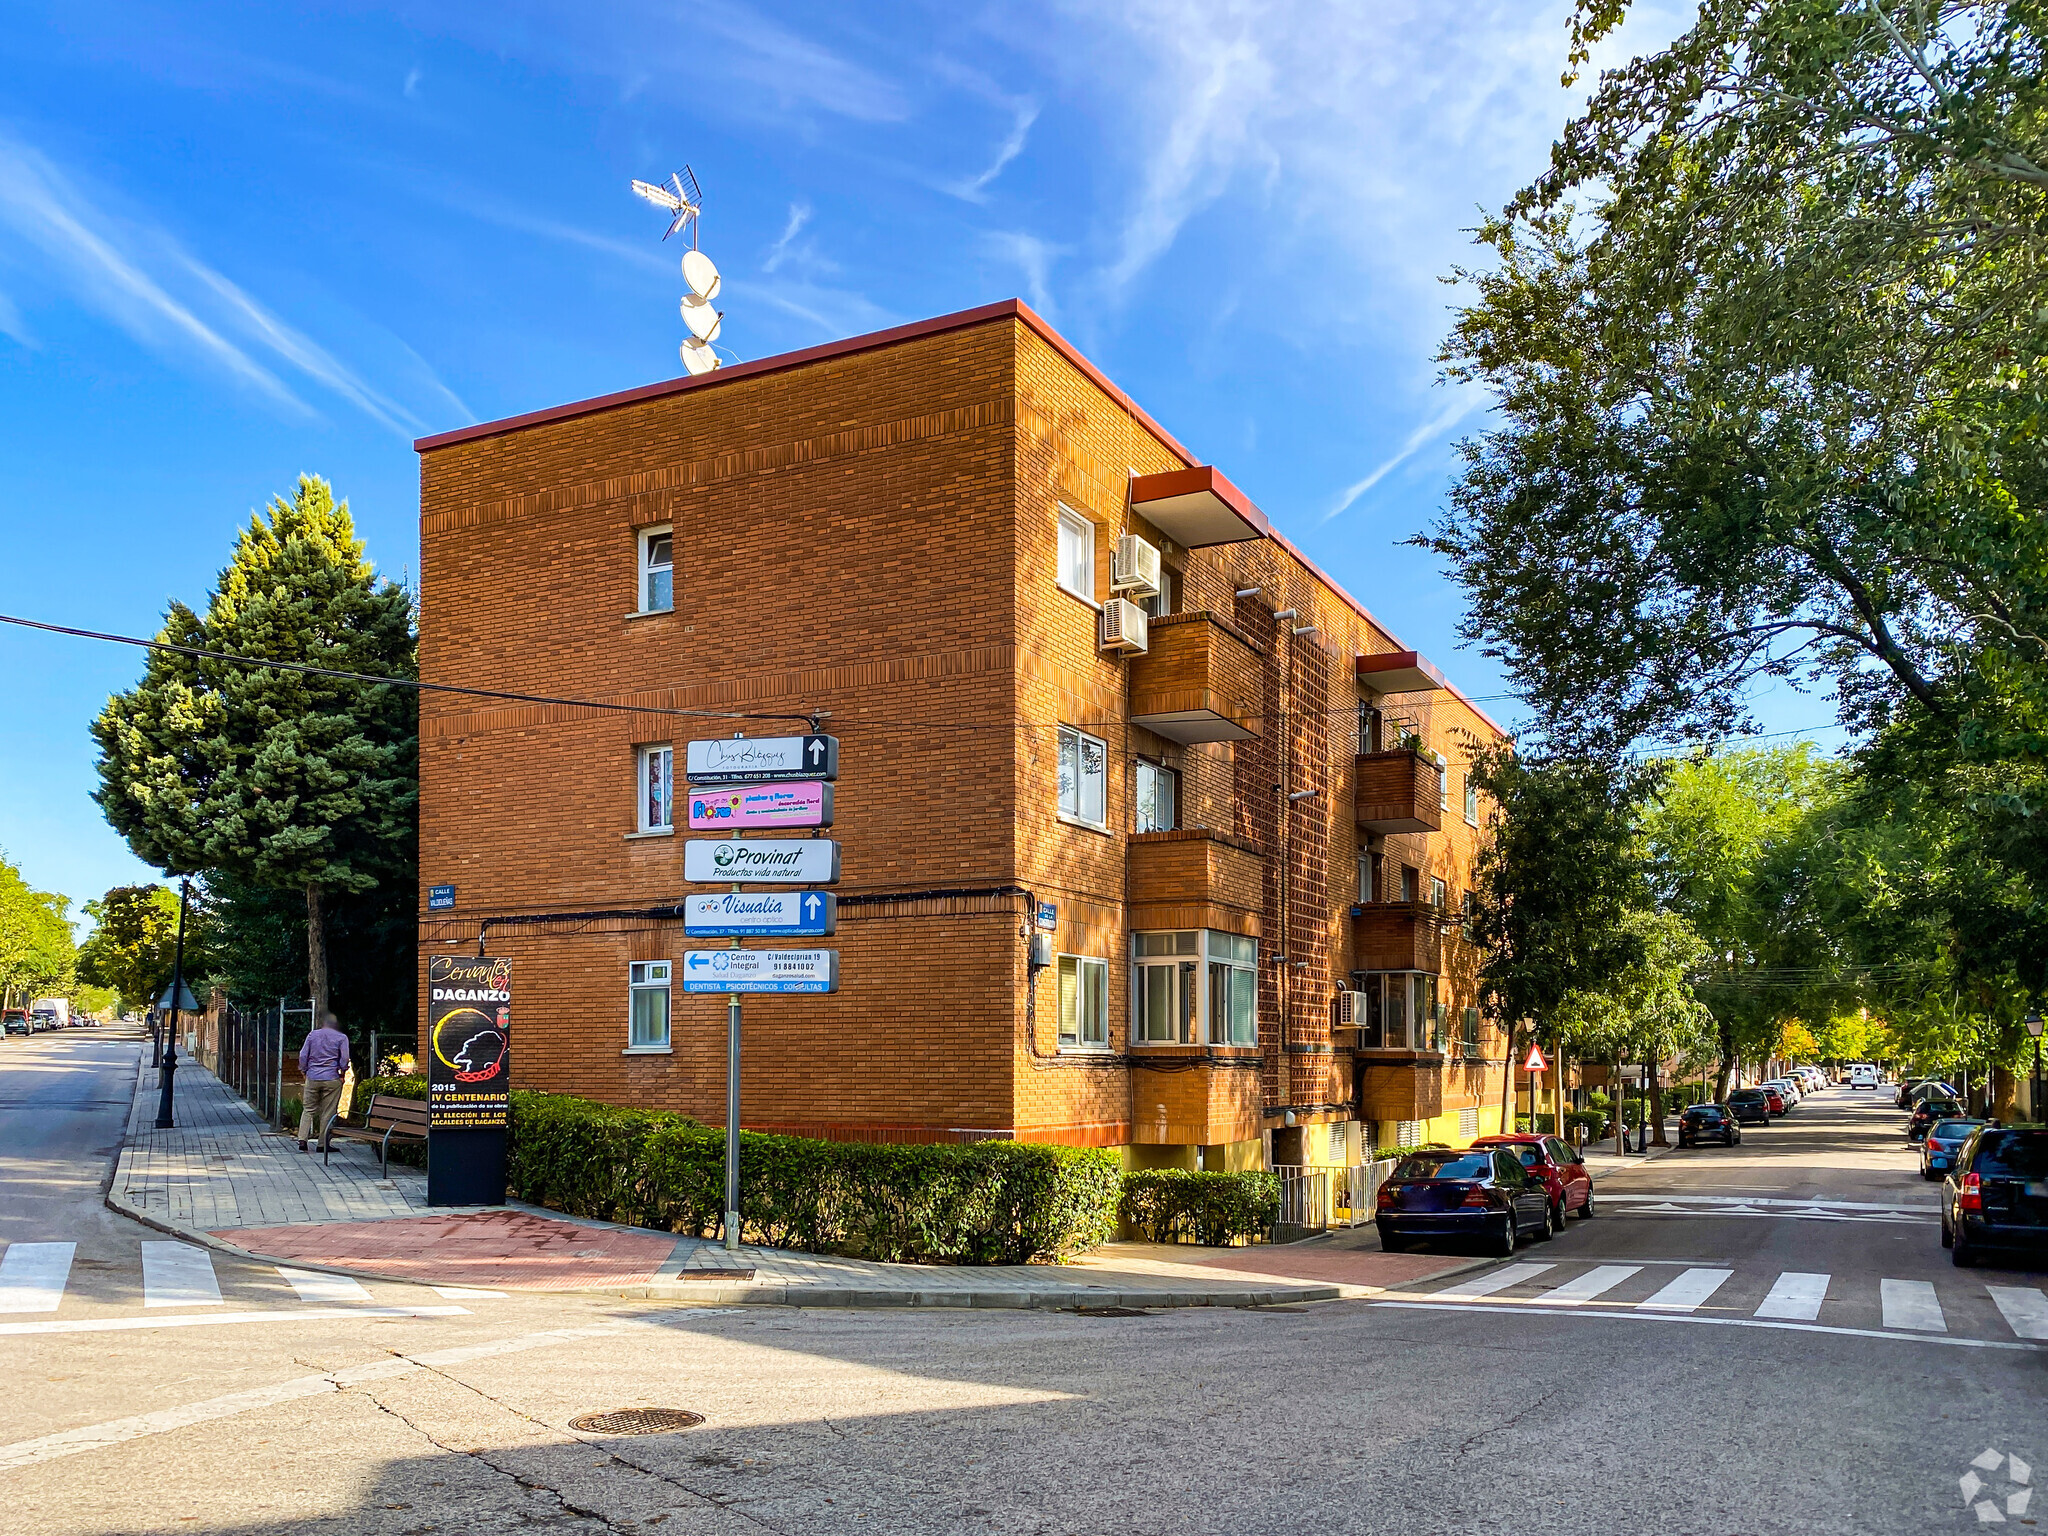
1657, 1106
316, 953
1507, 1088
2005, 1095
1727, 1063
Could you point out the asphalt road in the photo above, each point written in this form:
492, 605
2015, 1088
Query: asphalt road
1517, 1410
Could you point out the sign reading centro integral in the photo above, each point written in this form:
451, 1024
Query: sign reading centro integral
469, 1078
760, 807
785, 861
740, 760
760, 970
761, 914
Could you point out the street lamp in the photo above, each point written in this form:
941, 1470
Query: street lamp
2034, 1029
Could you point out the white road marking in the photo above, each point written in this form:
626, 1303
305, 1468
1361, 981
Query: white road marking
1499, 1280
32, 1276
1911, 1304
1636, 1314
1689, 1290
2025, 1309
1795, 1295
1895, 1206
1593, 1283
178, 1275
92, 1437
314, 1286
466, 1293
215, 1319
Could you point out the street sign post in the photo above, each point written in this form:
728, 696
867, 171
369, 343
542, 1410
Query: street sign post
755, 760
761, 915
782, 861
760, 970
760, 807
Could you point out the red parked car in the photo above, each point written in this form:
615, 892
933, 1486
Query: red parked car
1560, 1169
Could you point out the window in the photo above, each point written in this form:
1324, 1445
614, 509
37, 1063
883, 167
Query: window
1232, 1013
1158, 798
1084, 1001
1468, 932
1411, 884
1443, 782
1471, 802
1160, 603
1439, 893
1084, 773
1369, 734
1469, 1034
647, 1029
657, 571
1077, 554
657, 770
1368, 877
1196, 986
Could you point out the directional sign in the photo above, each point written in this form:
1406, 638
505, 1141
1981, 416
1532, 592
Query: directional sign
1535, 1063
761, 914
759, 807
785, 861
752, 760
760, 970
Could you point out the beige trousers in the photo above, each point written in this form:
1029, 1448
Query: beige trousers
321, 1101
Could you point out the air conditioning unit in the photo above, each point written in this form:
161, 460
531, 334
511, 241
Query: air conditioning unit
1124, 626
1136, 567
1350, 1010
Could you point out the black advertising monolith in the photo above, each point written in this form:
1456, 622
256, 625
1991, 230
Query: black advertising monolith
469, 1078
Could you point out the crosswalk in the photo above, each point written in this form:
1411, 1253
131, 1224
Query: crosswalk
1965, 1311
179, 1285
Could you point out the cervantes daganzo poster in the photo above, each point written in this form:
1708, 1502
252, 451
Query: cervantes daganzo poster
469, 1043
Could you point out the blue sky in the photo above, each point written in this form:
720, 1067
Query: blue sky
242, 241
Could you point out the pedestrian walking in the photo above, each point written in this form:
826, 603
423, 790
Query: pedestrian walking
323, 1061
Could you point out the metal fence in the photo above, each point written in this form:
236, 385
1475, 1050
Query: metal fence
251, 1048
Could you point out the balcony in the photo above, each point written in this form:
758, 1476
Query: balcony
1400, 791
1401, 1085
1197, 508
1198, 682
1398, 936
1193, 878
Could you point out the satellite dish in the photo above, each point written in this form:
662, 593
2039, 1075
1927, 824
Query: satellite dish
702, 320
701, 274
697, 356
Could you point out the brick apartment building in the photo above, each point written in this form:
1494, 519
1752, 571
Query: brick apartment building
1236, 792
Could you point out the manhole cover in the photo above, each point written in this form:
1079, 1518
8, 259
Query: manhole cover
637, 1421
1112, 1312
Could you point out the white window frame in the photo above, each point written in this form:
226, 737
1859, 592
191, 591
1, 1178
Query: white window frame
643, 757
1189, 979
1074, 554
1158, 774
1443, 781
648, 978
1073, 748
648, 570
1090, 974
1439, 893
1471, 801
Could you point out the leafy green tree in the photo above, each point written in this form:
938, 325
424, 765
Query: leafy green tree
1646, 1011
283, 780
37, 951
132, 944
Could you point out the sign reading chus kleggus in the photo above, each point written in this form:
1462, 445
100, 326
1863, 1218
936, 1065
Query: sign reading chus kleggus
744, 760
761, 914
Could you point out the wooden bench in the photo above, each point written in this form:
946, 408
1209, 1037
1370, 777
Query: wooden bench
386, 1116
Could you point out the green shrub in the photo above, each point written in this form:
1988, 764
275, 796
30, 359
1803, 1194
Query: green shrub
1546, 1125
1174, 1205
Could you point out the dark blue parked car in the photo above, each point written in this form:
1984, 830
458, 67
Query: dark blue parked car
1482, 1192
1944, 1139
1996, 1196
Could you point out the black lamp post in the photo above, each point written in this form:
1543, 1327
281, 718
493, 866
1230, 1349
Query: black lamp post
169, 1066
2034, 1029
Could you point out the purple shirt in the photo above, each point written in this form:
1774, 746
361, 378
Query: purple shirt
324, 1056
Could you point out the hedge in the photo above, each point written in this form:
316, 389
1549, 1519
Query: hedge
991, 1202
1173, 1204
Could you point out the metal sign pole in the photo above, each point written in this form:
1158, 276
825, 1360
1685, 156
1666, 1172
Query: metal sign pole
732, 1124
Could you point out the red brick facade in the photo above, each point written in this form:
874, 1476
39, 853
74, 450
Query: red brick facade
870, 531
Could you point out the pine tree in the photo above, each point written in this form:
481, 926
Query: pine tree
277, 779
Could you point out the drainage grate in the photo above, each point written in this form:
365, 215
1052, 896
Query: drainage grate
637, 1421
1111, 1312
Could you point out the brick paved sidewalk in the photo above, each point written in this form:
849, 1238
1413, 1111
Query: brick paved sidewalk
224, 1178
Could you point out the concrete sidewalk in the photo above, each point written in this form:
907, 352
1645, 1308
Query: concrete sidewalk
224, 1178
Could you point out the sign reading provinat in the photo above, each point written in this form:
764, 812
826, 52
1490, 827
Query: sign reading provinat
742, 760
760, 970
760, 807
784, 861
763, 914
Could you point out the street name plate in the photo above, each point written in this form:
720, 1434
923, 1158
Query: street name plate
759, 807
760, 970
784, 861
761, 914
751, 760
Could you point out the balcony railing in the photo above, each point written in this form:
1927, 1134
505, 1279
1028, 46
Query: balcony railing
1400, 791
1198, 682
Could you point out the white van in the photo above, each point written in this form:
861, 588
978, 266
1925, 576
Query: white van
1862, 1075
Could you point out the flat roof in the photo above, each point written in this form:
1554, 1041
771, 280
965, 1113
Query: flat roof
1006, 309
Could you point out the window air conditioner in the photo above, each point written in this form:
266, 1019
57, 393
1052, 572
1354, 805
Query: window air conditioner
1136, 568
1123, 626
1350, 1010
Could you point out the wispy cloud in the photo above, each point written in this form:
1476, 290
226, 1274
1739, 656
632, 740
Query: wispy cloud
799, 216
1459, 407
1033, 257
975, 190
11, 323
412, 82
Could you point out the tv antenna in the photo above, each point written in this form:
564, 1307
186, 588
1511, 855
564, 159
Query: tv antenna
684, 202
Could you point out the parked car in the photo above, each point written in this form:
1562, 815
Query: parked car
1944, 1138
1561, 1170
1927, 1112
1789, 1089
15, 1022
1774, 1099
1814, 1078
1863, 1075
1996, 1195
1481, 1193
1708, 1122
1912, 1091
1750, 1106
